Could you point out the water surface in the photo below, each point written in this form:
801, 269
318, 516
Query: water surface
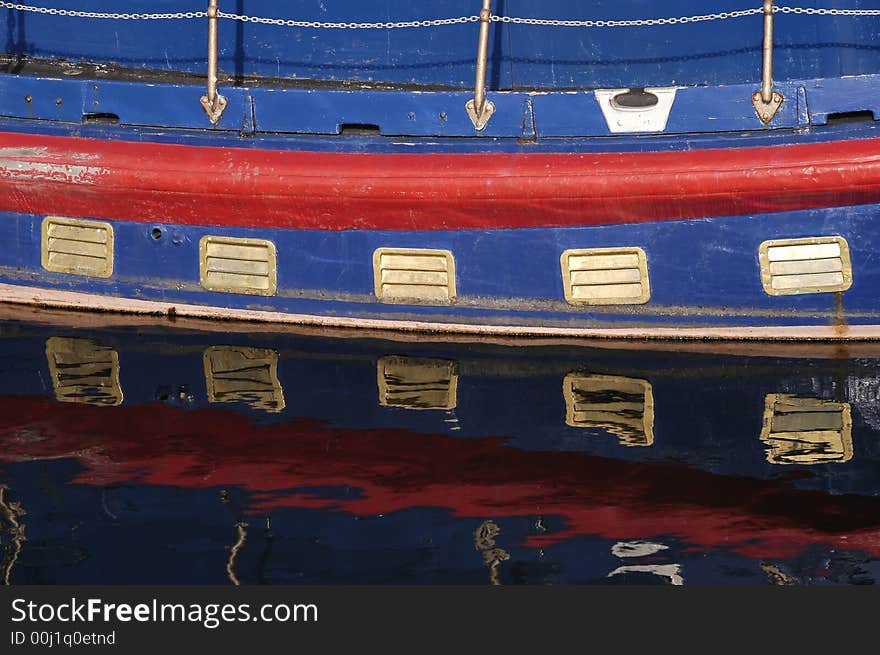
227, 454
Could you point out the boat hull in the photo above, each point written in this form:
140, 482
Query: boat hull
340, 180
705, 279
504, 220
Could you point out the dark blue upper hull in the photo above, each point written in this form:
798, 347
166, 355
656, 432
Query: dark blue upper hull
522, 56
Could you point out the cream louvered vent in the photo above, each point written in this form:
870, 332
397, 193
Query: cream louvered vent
806, 430
244, 375
411, 274
797, 266
238, 265
77, 247
605, 276
622, 406
417, 383
83, 371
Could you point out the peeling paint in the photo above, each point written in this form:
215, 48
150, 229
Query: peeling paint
23, 152
44, 152
11, 169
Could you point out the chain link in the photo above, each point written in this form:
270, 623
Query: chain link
815, 11
284, 22
645, 22
544, 22
101, 15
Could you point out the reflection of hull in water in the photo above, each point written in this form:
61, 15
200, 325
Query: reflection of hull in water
394, 470
499, 433
707, 412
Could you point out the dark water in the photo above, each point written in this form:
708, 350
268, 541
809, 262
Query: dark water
145, 454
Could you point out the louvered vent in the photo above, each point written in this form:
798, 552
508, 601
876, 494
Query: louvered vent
414, 275
244, 375
796, 266
417, 383
238, 265
622, 406
77, 247
806, 430
605, 276
83, 371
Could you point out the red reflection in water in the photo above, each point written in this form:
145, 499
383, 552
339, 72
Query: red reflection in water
396, 470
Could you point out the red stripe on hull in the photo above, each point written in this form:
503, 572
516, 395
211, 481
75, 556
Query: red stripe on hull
152, 182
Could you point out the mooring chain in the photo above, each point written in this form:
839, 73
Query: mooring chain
438, 22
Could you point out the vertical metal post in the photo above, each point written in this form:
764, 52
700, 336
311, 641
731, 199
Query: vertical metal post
213, 103
767, 101
767, 63
480, 109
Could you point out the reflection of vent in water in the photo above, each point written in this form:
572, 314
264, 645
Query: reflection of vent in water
623, 406
244, 375
83, 371
417, 383
806, 430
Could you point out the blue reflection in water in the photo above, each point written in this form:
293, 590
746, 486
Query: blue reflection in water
190, 454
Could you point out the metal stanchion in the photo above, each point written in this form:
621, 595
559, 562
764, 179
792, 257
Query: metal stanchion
480, 109
767, 101
213, 103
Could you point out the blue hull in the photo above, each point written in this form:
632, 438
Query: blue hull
704, 273
322, 90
